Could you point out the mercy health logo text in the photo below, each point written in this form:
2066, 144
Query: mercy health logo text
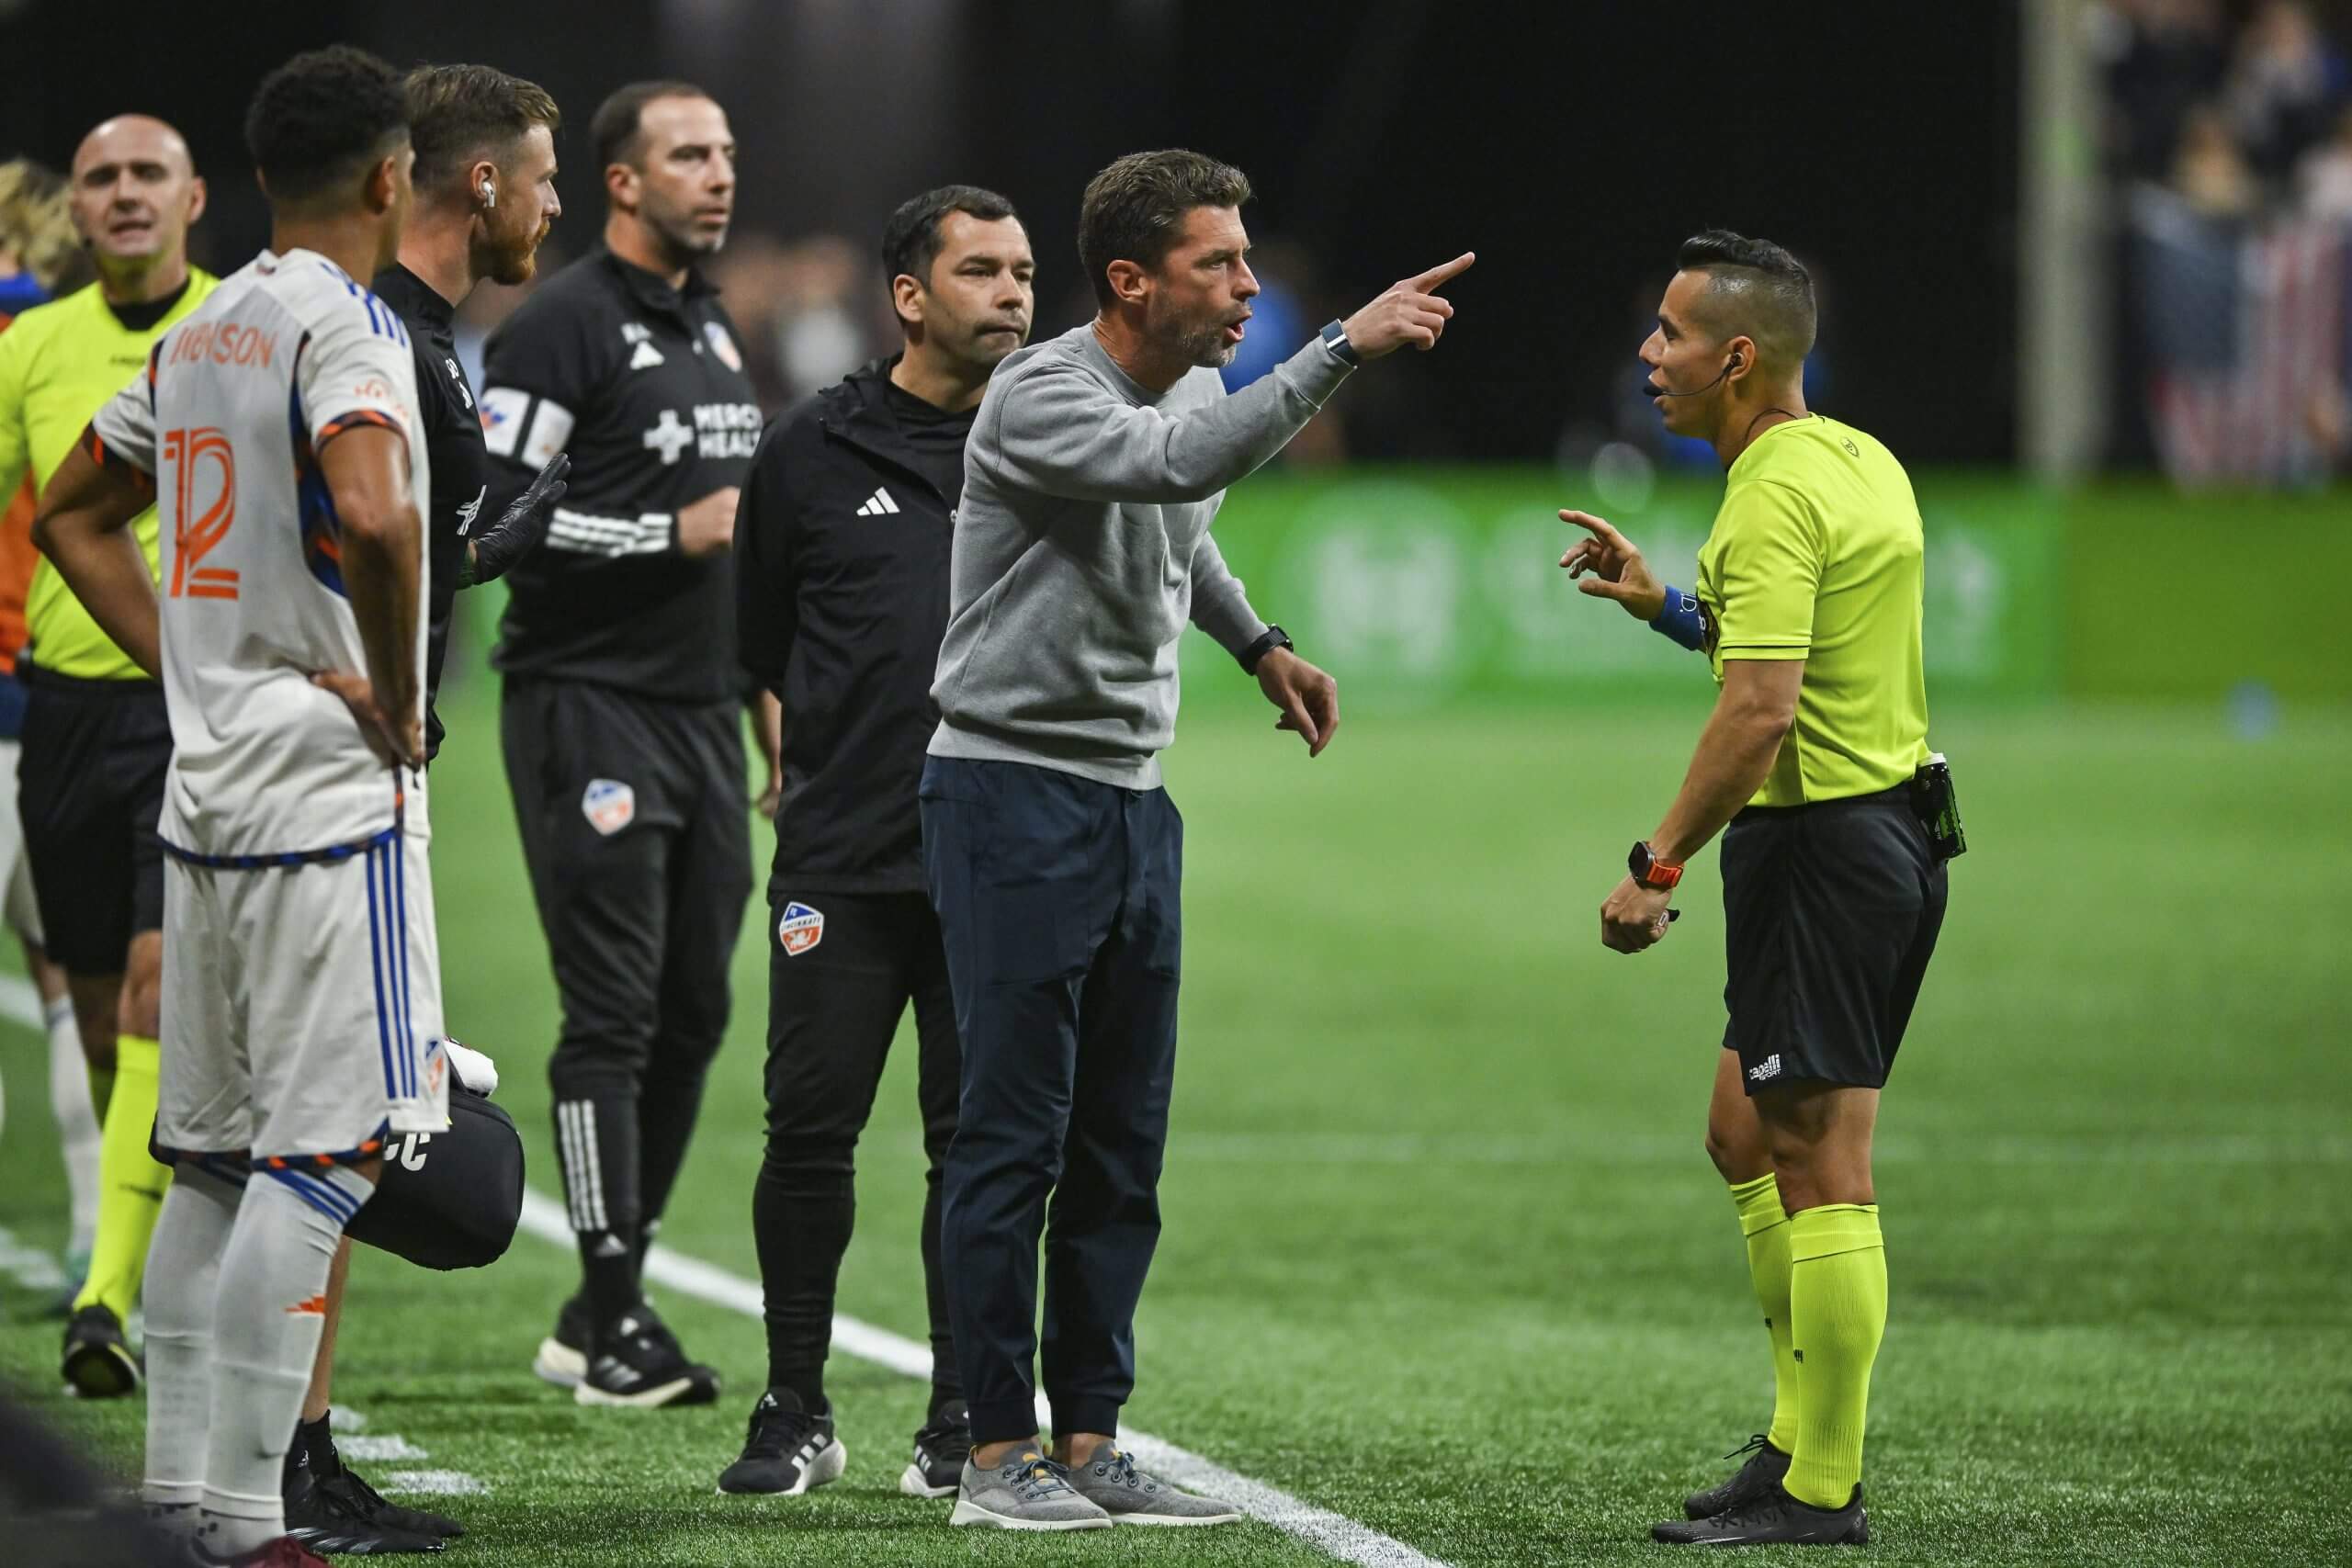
1769, 1068
801, 928
727, 430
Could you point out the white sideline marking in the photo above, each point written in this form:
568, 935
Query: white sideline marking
391, 1446
1334, 1534
28, 1266
432, 1482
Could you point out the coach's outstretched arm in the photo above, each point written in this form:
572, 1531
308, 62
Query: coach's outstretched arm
83, 527
1058, 430
366, 469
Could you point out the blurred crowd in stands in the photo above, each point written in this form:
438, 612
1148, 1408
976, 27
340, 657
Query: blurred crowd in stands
2229, 140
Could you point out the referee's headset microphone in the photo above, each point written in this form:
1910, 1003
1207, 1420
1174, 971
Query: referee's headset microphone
1729, 366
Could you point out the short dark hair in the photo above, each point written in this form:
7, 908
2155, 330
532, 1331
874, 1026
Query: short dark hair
457, 113
1757, 290
618, 129
1133, 210
912, 241
322, 117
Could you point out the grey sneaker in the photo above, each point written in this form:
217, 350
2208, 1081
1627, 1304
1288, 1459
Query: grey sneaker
1027, 1492
1131, 1495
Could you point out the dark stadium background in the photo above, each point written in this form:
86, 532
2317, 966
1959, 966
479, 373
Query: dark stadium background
1571, 145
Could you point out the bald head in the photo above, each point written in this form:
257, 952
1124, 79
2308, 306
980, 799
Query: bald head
135, 193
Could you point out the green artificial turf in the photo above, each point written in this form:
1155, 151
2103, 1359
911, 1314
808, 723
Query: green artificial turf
1443, 1251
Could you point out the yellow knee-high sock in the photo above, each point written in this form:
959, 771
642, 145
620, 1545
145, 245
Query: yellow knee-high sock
1837, 1309
130, 1184
1766, 1225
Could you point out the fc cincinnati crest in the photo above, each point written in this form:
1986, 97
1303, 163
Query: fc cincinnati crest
801, 928
609, 806
722, 346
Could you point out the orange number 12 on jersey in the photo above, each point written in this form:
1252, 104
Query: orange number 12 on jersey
193, 536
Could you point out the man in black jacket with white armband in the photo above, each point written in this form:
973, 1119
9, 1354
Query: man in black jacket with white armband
622, 717
842, 550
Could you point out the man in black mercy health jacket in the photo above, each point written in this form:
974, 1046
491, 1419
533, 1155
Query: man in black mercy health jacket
842, 550
622, 712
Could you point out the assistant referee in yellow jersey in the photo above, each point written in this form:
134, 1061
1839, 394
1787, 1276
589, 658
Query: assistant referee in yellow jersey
97, 738
1817, 762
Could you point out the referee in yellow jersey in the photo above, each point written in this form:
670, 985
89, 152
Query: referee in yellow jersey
1837, 822
96, 740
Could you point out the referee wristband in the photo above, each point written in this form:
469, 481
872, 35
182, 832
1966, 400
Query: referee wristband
1680, 620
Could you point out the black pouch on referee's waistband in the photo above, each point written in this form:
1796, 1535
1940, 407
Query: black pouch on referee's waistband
1936, 806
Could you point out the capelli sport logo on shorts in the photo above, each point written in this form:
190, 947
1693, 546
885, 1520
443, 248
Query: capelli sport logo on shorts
801, 928
1769, 1068
609, 806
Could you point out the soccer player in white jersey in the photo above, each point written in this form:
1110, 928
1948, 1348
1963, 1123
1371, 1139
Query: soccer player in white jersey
277, 428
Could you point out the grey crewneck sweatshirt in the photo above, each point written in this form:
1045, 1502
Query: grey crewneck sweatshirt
1083, 547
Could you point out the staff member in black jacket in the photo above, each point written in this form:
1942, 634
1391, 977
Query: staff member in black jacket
621, 719
844, 540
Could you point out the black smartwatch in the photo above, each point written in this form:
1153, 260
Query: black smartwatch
1272, 638
1335, 338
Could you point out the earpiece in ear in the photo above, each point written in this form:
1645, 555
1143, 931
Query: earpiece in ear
1734, 362
489, 194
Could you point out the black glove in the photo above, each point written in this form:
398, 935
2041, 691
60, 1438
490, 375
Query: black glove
520, 528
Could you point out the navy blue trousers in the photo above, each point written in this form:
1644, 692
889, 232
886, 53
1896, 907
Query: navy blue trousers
1058, 902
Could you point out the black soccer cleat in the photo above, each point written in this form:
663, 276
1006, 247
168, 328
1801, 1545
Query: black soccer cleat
1773, 1520
353, 1487
638, 1362
786, 1451
344, 1516
940, 1449
99, 1364
1752, 1480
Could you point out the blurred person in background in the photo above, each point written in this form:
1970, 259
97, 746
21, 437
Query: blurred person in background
2284, 86
1808, 609
2323, 179
622, 713
38, 246
2209, 172
843, 556
96, 737
820, 332
2163, 58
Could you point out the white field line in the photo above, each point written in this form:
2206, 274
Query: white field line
1333, 1534
36, 1269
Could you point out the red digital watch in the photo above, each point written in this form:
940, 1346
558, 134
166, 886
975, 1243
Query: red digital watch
1650, 871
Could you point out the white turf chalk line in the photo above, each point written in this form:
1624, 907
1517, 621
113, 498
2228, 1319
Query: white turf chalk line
1334, 1534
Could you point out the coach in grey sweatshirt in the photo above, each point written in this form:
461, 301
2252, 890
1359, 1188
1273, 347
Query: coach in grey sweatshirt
1054, 857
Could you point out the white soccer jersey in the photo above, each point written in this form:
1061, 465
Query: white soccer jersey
236, 404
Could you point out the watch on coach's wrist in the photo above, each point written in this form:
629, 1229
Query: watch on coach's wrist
1650, 871
1335, 338
1272, 638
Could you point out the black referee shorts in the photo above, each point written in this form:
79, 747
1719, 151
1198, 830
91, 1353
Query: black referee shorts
90, 788
1830, 915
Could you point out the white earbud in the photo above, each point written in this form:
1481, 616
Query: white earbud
489, 194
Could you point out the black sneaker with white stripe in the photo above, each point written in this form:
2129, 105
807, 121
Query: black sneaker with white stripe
786, 1451
940, 1449
638, 1362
